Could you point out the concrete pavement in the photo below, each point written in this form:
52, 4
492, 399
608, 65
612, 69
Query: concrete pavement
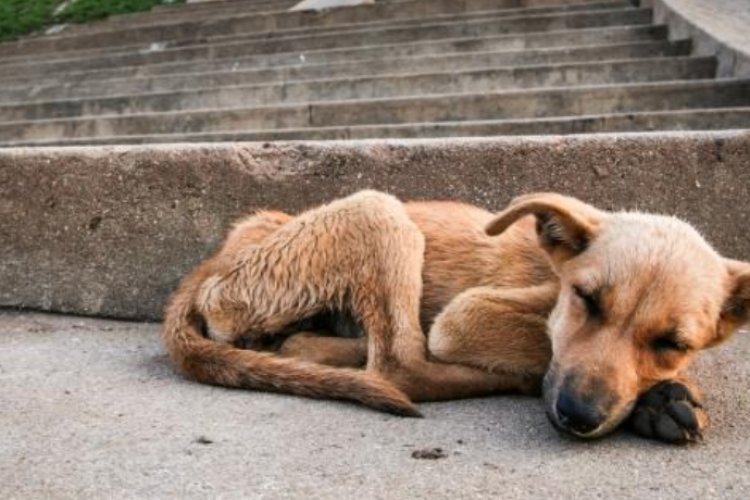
92, 409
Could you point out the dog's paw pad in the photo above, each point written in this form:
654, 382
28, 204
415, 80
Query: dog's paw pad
668, 412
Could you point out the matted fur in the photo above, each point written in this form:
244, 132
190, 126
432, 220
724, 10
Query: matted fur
498, 295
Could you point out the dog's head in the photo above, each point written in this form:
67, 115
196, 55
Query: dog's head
640, 295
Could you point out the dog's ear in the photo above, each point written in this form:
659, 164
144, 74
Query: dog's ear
565, 225
736, 309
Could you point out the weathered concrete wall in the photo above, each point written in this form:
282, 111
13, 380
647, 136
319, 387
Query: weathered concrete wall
109, 230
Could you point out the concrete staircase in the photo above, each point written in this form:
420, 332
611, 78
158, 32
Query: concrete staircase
248, 70
109, 230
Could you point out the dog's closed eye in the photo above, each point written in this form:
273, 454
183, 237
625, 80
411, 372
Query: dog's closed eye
669, 342
592, 301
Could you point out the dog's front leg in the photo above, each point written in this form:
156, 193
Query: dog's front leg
499, 330
671, 411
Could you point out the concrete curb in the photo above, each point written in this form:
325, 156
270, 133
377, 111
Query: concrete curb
109, 230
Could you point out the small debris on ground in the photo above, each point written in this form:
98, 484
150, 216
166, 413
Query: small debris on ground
428, 454
203, 440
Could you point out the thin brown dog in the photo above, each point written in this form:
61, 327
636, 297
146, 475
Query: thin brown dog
606, 309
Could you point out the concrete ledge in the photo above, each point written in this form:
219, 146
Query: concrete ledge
109, 230
718, 28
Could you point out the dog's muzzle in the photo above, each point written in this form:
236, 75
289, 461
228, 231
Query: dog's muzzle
576, 416
584, 415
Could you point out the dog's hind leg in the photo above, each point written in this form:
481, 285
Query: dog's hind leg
254, 289
362, 255
386, 300
326, 350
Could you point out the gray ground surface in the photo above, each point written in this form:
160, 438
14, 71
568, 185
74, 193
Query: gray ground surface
91, 409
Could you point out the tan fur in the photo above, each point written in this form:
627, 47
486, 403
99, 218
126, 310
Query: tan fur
500, 309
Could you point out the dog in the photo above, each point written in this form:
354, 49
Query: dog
387, 303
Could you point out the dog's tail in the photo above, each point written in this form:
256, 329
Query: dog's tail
214, 363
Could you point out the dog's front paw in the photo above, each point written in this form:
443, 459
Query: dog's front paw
669, 412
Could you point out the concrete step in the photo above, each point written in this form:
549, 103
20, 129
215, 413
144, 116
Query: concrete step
165, 15
169, 14
261, 54
185, 11
681, 120
158, 14
693, 119
281, 18
518, 104
370, 23
532, 20
240, 5
538, 103
217, 4
457, 61
383, 86
240, 26
110, 230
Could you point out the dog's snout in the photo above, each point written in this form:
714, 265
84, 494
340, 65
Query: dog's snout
577, 416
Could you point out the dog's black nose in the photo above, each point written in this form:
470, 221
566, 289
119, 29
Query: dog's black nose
575, 415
